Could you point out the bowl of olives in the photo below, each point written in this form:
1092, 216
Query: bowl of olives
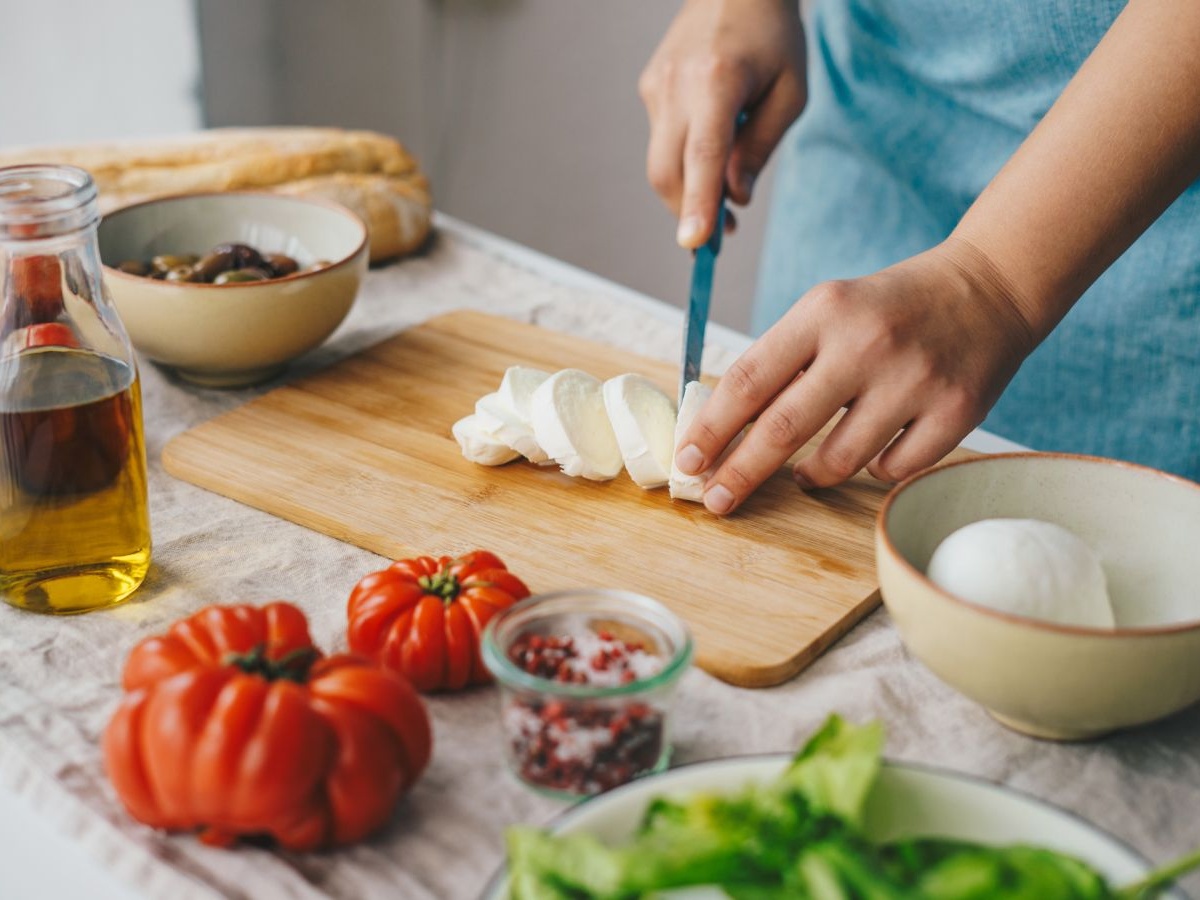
227, 288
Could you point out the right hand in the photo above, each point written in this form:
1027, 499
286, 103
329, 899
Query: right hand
718, 59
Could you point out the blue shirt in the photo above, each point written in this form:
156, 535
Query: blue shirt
913, 106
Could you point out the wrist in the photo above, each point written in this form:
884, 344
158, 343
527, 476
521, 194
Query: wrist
983, 280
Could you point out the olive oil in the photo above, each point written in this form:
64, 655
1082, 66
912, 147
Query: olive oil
74, 523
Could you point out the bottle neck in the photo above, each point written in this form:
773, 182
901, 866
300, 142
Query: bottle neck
51, 282
42, 206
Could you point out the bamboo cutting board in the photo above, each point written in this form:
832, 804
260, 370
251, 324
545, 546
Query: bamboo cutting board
363, 451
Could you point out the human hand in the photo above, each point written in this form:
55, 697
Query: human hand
718, 59
921, 349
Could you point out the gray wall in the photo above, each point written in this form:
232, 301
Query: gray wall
524, 113
76, 70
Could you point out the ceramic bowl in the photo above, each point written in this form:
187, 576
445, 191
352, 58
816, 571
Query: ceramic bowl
1048, 680
233, 334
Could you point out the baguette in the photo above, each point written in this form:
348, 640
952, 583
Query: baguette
370, 173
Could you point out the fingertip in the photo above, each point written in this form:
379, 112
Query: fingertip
690, 460
719, 500
691, 233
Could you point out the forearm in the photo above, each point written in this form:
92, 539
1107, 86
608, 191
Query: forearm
1119, 145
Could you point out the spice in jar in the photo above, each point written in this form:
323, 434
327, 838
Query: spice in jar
583, 745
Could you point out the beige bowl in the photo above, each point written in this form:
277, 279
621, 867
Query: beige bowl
232, 335
1048, 680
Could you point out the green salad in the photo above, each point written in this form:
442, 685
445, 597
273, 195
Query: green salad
800, 837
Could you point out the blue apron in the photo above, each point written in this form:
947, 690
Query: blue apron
913, 106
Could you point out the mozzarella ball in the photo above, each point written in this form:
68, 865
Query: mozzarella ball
1025, 567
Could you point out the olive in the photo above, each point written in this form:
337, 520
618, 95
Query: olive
213, 263
281, 264
134, 267
243, 255
167, 261
182, 273
319, 264
236, 276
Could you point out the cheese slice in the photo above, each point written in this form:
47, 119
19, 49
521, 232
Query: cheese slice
479, 445
506, 425
571, 425
643, 421
517, 387
681, 486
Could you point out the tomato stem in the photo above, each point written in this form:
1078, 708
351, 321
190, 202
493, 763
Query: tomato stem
292, 667
442, 584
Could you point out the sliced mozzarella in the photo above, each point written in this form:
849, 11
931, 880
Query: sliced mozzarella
517, 387
507, 426
479, 445
570, 423
688, 487
643, 420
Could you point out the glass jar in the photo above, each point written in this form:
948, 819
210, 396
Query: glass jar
74, 521
587, 678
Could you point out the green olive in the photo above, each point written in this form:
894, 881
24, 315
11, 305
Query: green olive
281, 264
134, 267
168, 261
182, 273
237, 276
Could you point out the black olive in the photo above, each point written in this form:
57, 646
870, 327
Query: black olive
212, 264
281, 264
243, 255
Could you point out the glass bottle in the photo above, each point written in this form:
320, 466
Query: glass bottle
74, 521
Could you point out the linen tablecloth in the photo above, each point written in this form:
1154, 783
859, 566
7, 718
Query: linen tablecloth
59, 678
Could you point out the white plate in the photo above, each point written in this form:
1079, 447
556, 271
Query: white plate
907, 801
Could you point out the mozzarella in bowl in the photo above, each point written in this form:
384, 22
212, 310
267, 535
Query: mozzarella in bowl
1026, 567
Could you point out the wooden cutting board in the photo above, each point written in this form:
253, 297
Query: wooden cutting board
363, 451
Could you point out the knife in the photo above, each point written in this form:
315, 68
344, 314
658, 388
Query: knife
703, 262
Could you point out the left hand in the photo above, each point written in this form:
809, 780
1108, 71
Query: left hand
921, 350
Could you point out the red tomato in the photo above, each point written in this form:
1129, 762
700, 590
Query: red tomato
211, 635
274, 741
424, 616
49, 334
37, 286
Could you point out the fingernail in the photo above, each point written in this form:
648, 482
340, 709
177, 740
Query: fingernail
690, 231
804, 483
690, 460
718, 499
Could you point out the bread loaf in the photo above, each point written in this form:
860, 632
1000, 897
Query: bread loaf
370, 173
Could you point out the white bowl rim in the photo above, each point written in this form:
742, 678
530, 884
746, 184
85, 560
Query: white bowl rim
330, 205
568, 815
1013, 618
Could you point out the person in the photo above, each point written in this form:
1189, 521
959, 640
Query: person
983, 207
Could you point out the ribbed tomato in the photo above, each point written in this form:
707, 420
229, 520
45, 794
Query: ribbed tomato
424, 616
212, 634
234, 725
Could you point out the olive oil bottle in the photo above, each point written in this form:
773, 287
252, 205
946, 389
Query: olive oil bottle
74, 523
74, 518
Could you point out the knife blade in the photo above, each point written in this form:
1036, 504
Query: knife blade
703, 263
